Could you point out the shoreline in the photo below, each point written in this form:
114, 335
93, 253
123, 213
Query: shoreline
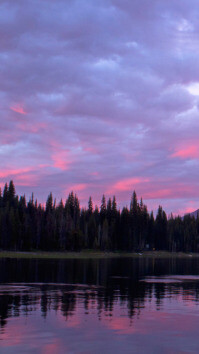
90, 254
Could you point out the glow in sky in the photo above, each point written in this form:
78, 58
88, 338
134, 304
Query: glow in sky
101, 97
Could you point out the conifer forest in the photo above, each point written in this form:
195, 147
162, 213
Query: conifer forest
27, 225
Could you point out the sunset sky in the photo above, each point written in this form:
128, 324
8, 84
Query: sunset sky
101, 96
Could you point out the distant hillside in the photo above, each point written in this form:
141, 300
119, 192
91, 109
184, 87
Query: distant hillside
194, 213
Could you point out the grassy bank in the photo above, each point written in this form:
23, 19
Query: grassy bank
88, 254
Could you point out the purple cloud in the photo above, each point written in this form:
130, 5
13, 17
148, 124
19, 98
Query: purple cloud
101, 96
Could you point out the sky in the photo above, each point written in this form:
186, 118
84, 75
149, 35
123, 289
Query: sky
101, 96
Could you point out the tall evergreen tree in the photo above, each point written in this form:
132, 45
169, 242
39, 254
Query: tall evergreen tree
90, 206
103, 208
5, 194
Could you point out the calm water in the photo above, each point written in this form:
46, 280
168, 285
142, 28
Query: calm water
99, 306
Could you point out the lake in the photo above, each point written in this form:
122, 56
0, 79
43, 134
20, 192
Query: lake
120, 305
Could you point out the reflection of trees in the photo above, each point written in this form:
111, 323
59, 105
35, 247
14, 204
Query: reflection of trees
107, 283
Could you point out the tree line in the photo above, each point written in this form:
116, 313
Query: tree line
26, 226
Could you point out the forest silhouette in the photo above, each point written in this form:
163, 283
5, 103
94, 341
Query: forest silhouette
26, 226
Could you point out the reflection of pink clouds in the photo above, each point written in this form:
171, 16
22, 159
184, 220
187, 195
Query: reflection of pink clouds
189, 152
151, 321
121, 325
12, 337
73, 322
148, 328
18, 108
51, 348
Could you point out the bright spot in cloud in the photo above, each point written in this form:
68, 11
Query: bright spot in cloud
106, 64
185, 26
51, 97
194, 88
132, 44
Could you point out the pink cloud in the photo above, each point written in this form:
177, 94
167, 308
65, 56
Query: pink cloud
189, 210
167, 190
188, 152
120, 119
18, 108
127, 184
61, 159
14, 172
192, 205
24, 176
91, 150
78, 187
27, 180
95, 173
32, 127
156, 194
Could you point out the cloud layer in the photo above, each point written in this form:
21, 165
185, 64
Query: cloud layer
101, 97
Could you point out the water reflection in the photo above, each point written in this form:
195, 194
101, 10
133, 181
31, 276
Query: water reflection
132, 304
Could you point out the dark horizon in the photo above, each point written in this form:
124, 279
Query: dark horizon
27, 226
